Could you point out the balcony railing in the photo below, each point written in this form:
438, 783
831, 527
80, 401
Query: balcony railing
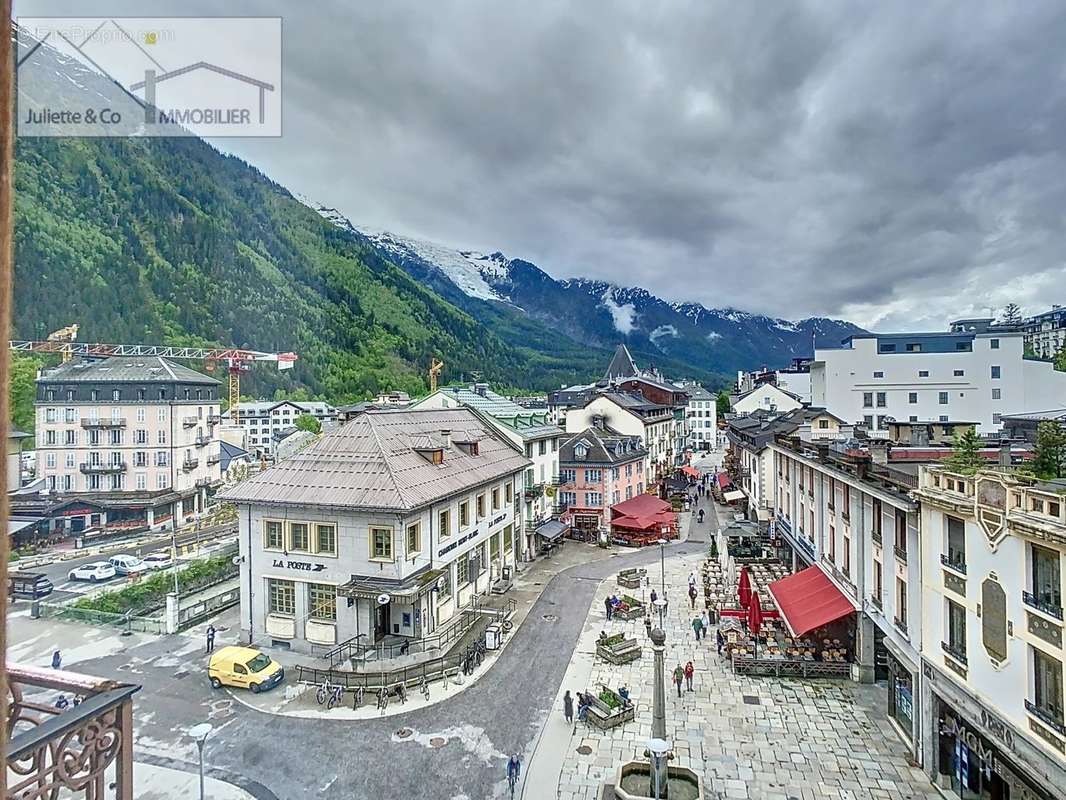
957, 653
899, 623
102, 469
202, 441
190, 422
83, 750
112, 422
901, 553
954, 561
877, 603
190, 464
214, 458
1042, 604
214, 419
203, 483
1048, 718
876, 536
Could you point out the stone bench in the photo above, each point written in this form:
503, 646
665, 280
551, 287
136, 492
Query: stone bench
617, 649
604, 717
631, 578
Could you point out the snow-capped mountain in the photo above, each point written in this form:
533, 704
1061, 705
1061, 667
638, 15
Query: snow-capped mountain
687, 338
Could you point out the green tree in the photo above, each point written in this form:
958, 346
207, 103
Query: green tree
22, 391
1049, 458
1012, 314
307, 422
1028, 351
722, 403
1060, 359
966, 453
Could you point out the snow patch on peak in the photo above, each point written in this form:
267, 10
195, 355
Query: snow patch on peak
467, 269
785, 325
713, 336
623, 314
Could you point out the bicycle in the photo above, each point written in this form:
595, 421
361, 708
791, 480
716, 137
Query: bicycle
357, 697
383, 699
329, 692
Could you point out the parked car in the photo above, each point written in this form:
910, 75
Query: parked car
160, 560
28, 585
127, 565
245, 668
96, 571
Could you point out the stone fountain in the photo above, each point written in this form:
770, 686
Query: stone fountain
656, 778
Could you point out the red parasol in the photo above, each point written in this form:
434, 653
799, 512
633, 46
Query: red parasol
755, 615
744, 588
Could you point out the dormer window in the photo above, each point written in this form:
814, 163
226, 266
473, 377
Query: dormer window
580, 452
432, 455
470, 448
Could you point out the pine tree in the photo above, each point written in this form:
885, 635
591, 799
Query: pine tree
966, 453
1060, 359
1012, 314
1049, 459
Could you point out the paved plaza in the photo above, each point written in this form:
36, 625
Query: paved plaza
759, 738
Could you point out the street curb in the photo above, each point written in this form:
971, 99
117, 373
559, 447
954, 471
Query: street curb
255, 789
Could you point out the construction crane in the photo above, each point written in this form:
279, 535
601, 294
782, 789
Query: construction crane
435, 366
235, 359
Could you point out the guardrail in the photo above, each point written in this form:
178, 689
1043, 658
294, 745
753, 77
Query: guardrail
198, 611
790, 668
87, 616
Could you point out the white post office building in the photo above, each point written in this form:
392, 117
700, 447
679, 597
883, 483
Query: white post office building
384, 528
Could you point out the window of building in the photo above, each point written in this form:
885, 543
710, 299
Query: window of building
868, 420
993, 344
273, 536
322, 601
959, 373
593, 475
1047, 576
923, 373
162, 481
414, 539
882, 399
496, 499
996, 372
880, 422
956, 629
381, 544
888, 348
508, 538
326, 539
876, 519
480, 506
997, 418
832, 544
943, 418
956, 541
846, 567
823, 424
281, 596
444, 519
299, 537
914, 347
867, 399
543, 447
508, 491
912, 398
879, 374
593, 499
878, 582
462, 571
901, 602
1047, 684
942, 398
997, 394
464, 514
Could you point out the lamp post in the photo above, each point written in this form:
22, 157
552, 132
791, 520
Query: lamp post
200, 733
658, 716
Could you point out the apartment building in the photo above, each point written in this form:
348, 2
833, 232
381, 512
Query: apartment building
992, 634
424, 519
261, 420
1046, 333
701, 418
530, 430
974, 373
124, 442
849, 512
652, 387
632, 415
598, 467
794, 379
764, 397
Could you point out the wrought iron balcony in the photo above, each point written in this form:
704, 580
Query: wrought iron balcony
190, 464
83, 750
957, 653
901, 624
1047, 717
214, 419
1044, 604
202, 440
190, 422
954, 561
203, 483
103, 469
110, 422
901, 553
876, 536
214, 458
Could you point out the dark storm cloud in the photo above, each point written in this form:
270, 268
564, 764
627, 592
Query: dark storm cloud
897, 163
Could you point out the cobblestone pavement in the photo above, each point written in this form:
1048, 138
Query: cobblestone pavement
759, 738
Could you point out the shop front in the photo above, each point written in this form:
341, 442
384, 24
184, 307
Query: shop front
902, 697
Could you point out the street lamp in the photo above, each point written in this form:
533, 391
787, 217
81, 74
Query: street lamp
200, 733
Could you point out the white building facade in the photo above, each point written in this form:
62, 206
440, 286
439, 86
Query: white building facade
261, 420
967, 376
992, 634
631, 416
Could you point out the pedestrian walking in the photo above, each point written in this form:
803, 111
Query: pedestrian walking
57, 660
610, 609
210, 638
701, 516
692, 593
568, 708
697, 627
679, 678
721, 641
689, 672
692, 579
647, 623
654, 596
666, 602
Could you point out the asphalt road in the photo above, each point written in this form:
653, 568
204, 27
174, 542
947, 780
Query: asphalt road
458, 748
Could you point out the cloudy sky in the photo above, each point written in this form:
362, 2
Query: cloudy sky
896, 164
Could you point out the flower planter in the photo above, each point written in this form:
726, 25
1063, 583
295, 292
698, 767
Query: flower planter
631, 608
617, 649
609, 711
631, 578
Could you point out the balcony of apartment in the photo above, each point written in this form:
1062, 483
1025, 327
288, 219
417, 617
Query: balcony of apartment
1053, 718
954, 561
190, 422
875, 534
214, 419
955, 652
901, 553
202, 440
1044, 603
103, 422
190, 464
109, 468
203, 483
82, 750
213, 458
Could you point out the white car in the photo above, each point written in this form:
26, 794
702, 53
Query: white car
127, 565
156, 561
97, 571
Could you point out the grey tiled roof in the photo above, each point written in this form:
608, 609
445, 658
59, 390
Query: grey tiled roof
605, 446
124, 369
372, 462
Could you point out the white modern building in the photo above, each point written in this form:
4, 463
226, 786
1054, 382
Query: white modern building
975, 376
261, 420
765, 397
407, 515
701, 415
994, 551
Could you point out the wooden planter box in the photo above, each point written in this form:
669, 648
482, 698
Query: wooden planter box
631, 578
634, 610
604, 717
617, 649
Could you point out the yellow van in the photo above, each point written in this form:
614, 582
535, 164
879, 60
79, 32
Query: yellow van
245, 668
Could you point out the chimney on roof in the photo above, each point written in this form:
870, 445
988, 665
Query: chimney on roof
599, 421
1004, 452
920, 435
879, 452
446, 437
481, 388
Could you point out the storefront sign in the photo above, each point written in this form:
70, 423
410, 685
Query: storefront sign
452, 545
974, 744
306, 566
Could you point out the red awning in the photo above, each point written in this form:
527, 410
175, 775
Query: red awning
723, 480
808, 600
692, 471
